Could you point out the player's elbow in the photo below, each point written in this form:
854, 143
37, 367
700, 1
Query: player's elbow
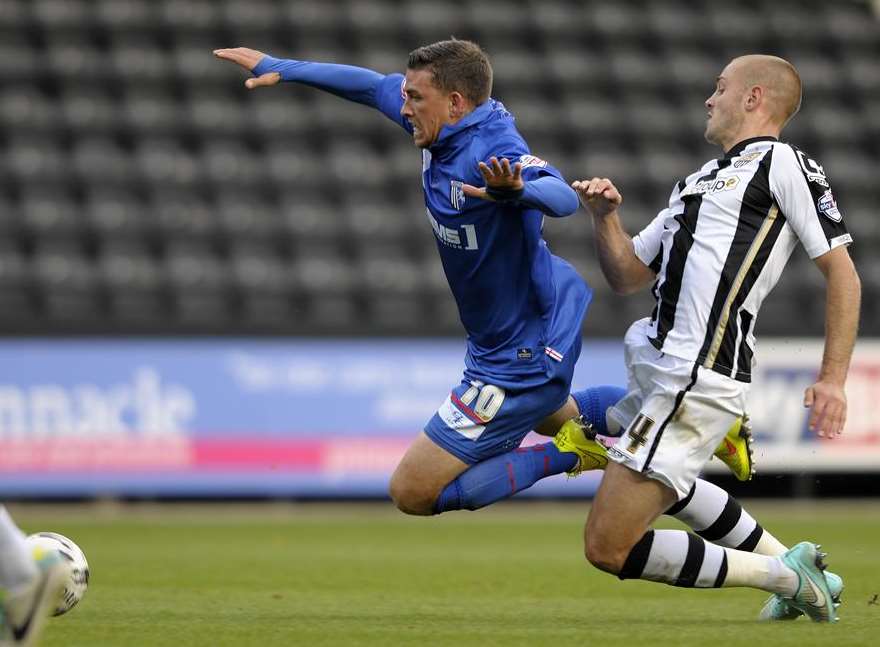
625, 285
569, 202
623, 289
629, 278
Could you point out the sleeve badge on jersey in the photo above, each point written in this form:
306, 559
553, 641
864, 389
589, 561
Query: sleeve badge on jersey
812, 169
827, 206
456, 194
531, 160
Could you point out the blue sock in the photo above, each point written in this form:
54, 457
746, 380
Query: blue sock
502, 476
593, 402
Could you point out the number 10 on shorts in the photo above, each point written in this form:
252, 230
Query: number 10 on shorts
489, 399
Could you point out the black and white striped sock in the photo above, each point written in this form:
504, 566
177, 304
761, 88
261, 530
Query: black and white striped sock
717, 517
682, 559
678, 558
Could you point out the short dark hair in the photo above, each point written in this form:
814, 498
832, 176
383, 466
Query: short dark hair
456, 66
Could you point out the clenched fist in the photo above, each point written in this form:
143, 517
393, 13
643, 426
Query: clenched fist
599, 196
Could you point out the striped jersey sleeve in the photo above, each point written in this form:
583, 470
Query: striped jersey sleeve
648, 243
801, 189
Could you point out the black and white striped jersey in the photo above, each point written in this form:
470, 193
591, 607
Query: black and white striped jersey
721, 244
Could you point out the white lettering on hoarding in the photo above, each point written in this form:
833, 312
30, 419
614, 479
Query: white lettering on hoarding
144, 406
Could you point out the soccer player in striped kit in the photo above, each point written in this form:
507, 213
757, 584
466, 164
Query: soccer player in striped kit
713, 255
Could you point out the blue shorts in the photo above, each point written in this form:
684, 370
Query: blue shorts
480, 420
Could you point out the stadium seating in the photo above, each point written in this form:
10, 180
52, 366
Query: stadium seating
144, 190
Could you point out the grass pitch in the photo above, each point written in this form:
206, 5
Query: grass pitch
277, 574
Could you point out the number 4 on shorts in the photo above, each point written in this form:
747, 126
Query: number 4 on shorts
638, 432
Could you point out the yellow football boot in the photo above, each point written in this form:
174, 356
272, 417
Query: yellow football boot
579, 437
735, 450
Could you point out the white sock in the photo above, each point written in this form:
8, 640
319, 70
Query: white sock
759, 572
769, 545
17, 566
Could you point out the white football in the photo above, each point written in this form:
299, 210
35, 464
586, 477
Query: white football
78, 582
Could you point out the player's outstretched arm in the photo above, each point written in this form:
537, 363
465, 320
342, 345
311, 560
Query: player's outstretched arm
505, 184
356, 84
624, 271
826, 398
249, 59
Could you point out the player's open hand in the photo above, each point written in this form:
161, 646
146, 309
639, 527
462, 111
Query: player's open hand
599, 196
248, 59
499, 177
827, 404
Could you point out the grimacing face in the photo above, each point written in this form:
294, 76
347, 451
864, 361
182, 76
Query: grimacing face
726, 113
426, 107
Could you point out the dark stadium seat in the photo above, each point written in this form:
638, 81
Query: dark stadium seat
280, 116
166, 163
618, 22
229, 164
862, 72
50, 214
115, 215
18, 61
100, 161
32, 159
212, 114
851, 24
265, 288
125, 16
190, 16
16, 289
68, 283
134, 283
72, 57
10, 222
89, 109
378, 21
183, 217
323, 269
310, 217
199, 280
247, 216
578, 72
25, 110
150, 113
61, 14
329, 288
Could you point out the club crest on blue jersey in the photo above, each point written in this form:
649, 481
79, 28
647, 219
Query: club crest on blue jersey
456, 194
531, 160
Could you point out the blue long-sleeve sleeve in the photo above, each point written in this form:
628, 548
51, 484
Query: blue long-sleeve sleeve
358, 84
551, 195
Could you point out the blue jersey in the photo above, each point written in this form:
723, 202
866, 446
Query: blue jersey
521, 306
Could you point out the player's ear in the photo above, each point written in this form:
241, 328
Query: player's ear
754, 98
457, 105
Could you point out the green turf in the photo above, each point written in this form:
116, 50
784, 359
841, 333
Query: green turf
363, 575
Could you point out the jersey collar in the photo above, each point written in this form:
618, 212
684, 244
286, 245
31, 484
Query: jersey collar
740, 147
475, 116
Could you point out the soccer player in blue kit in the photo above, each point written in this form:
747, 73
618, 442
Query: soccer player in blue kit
521, 306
